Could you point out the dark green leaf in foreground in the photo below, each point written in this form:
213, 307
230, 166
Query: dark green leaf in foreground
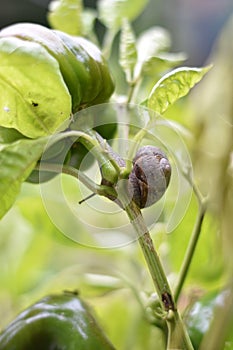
17, 160
173, 86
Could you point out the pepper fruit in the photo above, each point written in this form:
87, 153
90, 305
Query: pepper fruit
85, 74
81, 63
55, 322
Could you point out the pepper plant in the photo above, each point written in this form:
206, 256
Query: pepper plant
63, 115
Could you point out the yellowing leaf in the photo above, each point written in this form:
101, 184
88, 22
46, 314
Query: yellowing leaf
173, 86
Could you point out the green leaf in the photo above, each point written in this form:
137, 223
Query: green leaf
66, 15
149, 45
153, 41
17, 160
8, 135
111, 12
34, 98
157, 64
88, 19
128, 51
173, 86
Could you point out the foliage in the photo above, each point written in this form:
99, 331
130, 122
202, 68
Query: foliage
115, 281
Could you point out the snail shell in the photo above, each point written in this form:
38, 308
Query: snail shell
149, 177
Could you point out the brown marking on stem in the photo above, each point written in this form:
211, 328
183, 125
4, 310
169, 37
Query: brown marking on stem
149, 241
168, 301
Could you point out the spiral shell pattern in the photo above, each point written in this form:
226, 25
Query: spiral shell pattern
149, 177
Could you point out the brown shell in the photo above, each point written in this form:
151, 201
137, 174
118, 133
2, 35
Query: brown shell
149, 177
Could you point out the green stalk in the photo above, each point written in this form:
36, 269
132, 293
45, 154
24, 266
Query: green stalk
132, 86
110, 170
178, 338
136, 142
193, 240
190, 252
101, 190
90, 142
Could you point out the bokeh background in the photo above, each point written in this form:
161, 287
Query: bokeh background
37, 259
194, 24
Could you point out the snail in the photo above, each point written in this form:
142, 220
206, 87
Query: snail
150, 176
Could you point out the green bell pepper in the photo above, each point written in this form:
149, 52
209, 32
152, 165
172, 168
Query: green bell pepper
56, 322
46, 76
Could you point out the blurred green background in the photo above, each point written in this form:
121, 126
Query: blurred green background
193, 24
37, 259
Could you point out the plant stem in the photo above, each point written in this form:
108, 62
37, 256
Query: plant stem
152, 259
178, 337
190, 251
101, 190
132, 86
132, 150
193, 240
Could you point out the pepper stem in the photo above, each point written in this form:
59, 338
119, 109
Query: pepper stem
178, 337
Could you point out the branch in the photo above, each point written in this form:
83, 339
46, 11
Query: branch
202, 203
178, 337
